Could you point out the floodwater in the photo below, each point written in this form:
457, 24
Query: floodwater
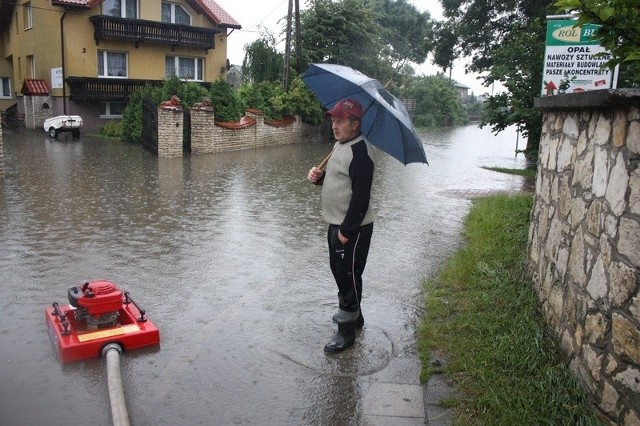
227, 254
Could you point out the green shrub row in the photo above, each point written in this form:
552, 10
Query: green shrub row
228, 104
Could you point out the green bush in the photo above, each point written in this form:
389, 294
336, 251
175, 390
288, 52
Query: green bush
112, 129
226, 104
300, 100
260, 96
274, 102
132, 114
189, 92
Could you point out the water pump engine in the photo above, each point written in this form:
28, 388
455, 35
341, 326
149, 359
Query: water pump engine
98, 314
98, 304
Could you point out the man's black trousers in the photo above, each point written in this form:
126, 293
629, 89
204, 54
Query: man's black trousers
347, 265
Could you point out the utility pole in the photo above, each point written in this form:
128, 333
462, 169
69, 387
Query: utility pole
287, 51
298, 40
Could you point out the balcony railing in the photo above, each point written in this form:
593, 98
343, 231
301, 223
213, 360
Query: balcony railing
105, 89
142, 31
109, 89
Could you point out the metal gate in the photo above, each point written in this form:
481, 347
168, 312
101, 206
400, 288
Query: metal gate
150, 125
186, 131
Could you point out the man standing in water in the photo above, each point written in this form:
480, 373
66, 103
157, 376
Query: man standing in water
346, 207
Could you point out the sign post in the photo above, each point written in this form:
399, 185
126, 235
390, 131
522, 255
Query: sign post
572, 62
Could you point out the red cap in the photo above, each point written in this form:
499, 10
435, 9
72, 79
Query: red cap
344, 109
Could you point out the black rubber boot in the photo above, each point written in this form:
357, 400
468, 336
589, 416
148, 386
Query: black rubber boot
359, 321
344, 338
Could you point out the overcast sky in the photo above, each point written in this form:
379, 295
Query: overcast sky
253, 15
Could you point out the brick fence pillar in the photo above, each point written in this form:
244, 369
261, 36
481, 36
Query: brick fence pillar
170, 128
202, 128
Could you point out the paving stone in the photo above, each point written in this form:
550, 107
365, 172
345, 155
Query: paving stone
394, 400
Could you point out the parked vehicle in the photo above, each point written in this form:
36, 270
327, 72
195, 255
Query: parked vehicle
63, 123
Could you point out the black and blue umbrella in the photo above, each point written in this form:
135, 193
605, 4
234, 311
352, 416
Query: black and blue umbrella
385, 121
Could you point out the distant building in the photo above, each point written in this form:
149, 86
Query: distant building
234, 76
92, 55
463, 91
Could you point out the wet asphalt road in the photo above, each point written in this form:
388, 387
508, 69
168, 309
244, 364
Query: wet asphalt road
227, 254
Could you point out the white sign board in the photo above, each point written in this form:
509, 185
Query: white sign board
56, 78
572, 63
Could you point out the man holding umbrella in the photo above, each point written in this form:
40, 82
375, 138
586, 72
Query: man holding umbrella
346, 206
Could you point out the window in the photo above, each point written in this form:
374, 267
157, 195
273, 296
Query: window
121, 8
184, 68
31, 67
5, 87
112, 64
28, 17
112, 109
175, 14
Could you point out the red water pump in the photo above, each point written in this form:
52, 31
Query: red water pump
99, 314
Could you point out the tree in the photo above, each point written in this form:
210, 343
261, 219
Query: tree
620, 25
376, 37
619, 32
344, 32
445, 50
262, 61
505, 40
522, 81
437, 102
405, 33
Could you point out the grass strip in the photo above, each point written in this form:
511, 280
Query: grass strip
531, 173
482, 316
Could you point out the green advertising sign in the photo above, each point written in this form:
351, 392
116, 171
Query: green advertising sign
573, 59
562, 33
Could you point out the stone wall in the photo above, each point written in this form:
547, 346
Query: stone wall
251, 132
37, 109
584, 241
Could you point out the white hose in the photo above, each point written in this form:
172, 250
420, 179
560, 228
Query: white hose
119, 412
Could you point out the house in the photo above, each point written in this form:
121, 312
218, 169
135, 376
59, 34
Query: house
463, 91
234, 76
91, 55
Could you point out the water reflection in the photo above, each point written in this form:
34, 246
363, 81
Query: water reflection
226, 252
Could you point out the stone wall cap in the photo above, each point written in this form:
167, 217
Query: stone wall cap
590, 99
243, 123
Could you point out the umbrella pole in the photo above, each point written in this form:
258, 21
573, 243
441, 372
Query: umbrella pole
324, 162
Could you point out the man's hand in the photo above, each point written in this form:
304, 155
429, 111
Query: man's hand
315, 175
344, 240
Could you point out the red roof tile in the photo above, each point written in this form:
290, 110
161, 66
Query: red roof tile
34, 87
80, 3
220, 16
